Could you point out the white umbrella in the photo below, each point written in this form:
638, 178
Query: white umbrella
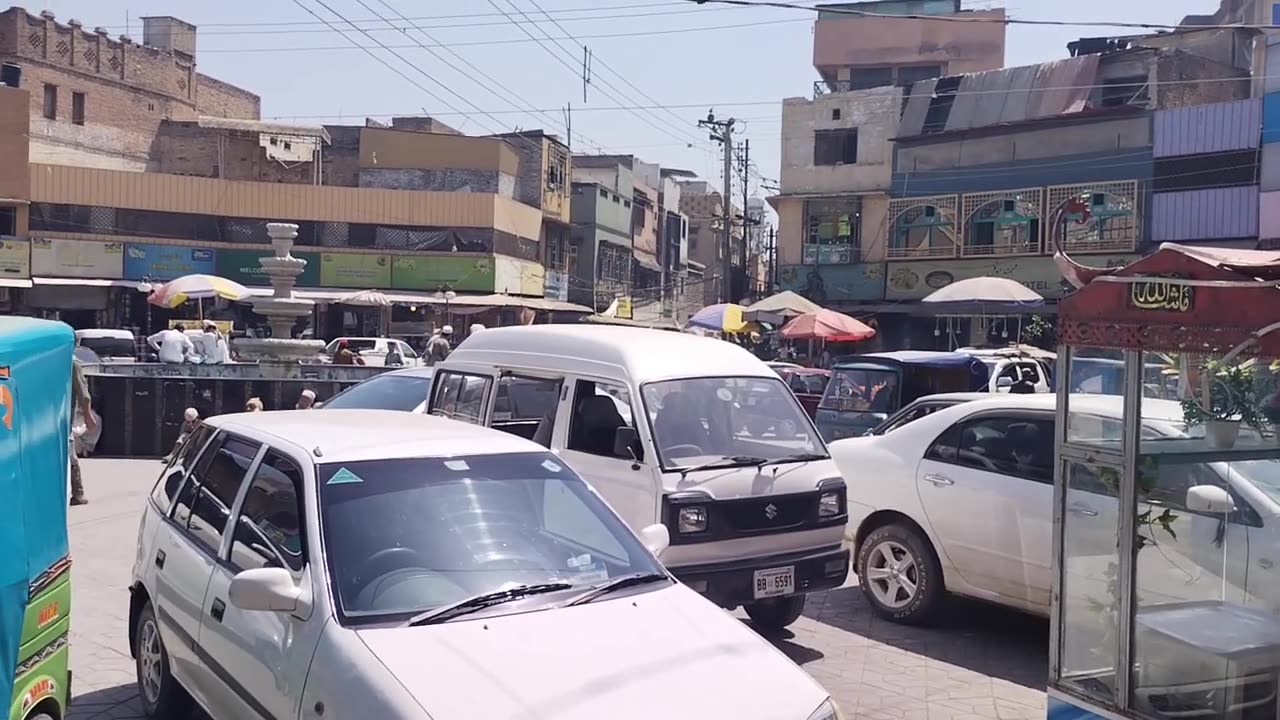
780, 307
372, 298
987, 291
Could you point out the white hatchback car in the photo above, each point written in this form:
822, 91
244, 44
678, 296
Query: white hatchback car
379, 564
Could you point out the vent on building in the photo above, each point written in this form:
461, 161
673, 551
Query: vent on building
835, 113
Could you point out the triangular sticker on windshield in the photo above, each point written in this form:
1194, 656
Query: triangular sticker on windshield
344, 477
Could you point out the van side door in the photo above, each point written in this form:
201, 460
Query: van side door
461, 394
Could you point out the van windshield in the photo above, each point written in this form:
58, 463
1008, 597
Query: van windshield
696, 420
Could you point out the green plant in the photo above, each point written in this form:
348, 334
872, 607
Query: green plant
1232, 397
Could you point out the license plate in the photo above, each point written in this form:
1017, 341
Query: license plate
775, 582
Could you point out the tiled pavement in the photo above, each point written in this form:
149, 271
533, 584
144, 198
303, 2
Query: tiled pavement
982, 662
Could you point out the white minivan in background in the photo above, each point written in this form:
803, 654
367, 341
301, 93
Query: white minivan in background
694, 433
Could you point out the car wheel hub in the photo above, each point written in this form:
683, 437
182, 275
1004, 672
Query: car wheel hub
892, 574
150, 661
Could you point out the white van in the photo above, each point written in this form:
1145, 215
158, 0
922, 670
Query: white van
691, 432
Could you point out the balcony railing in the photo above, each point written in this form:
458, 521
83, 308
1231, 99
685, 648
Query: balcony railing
1001, 249
1104, 245
920, 253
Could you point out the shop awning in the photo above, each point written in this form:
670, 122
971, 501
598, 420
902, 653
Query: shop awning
84, 282
14, 282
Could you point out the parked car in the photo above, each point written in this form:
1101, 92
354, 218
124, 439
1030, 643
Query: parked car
1009, 365
110, 345
807, 383
374, 350
961, 501
404, 390
866, 389
377, 564
924, 407
669, 441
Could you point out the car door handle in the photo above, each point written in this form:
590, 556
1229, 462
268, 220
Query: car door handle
939, 480
1266, 563
160, 559
217, 609
1082, 511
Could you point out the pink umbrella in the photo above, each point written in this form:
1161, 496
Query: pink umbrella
826, 325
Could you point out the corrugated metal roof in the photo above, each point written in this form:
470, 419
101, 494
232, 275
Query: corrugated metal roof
917, 107
1212, 128
1216, 213
259, 126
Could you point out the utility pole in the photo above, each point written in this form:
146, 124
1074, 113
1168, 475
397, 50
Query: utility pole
746, 216
722, 132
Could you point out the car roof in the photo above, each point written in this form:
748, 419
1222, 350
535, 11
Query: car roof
797, 370
354, 435
1093, 404
95, 333
959, 397
638, 354
924, 358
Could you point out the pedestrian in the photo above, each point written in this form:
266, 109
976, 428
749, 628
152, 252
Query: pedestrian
438, 349
172, 345
81, 403
306, 400
254, 405
344, 356
190, 421
394, 358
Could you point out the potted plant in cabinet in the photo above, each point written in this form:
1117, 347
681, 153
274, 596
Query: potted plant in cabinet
1227, 400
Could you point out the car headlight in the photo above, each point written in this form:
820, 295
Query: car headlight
829, 504
827, 711
692, 519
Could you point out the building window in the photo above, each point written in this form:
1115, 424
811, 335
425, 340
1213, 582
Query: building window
833, 231
8, 221
1007, 225
77, 108
910, 75
604, 193
50, 101
555, 175
1124, 91
835, 113
835, 147
867, 78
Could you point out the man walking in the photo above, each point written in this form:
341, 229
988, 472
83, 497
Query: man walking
438, 347
83, 404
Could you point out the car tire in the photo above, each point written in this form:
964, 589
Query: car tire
899, 573
776, 613
161, 695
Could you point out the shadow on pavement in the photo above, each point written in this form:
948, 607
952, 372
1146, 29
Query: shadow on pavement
983, 638
115, 703
798, 653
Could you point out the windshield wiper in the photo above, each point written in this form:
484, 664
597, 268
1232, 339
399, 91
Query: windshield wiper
617, 583
799, 457
724, 462
482, 601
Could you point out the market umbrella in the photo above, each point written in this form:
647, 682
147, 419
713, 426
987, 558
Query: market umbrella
196, 287
777, 308
725, 317
986, 291
372, 298
826, 325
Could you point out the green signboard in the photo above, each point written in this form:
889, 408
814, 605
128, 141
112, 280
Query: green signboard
862, 282
242, 266
916, 279
350, 270
433, 272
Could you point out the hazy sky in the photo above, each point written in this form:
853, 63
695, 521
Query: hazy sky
661, 47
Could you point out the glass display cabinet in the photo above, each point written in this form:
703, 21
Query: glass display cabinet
1166, 598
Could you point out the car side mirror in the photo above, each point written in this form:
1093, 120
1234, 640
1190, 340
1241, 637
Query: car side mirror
269, 589
657, 538
1210, 499
626, 443
1004, 382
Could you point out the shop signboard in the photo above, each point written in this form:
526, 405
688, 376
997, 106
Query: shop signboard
166, 262
823, 284
556, 285
15, 259
518, 277
916, 279
460, 273
61, 257
243, 267
351, 270
623, 309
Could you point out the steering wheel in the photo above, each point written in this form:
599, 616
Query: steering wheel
396, 557
671, 451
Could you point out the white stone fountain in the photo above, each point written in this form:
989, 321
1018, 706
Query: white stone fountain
280, 355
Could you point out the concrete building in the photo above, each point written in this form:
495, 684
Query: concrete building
98, 101
702, 204
544, 181
601, 239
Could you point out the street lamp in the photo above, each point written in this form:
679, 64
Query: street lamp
447, 296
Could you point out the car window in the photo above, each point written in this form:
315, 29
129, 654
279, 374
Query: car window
384, 392
407, 351
599, 409
460, 396
216, 486
527, 406
1018, 446
167, 487
269, 530
909, 415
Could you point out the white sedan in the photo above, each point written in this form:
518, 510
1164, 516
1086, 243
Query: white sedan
961, 501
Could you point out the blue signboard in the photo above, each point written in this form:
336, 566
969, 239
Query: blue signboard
166, 262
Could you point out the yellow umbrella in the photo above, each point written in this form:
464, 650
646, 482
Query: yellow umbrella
196, 287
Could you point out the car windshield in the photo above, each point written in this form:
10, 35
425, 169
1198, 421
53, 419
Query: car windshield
355, 345
861, 390
1262, 474
404, 536
110, 346
697, 420
384, 392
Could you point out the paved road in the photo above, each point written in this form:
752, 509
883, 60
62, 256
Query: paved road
983, 663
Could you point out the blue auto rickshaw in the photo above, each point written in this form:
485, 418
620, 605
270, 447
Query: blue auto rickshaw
35, 568
864, 390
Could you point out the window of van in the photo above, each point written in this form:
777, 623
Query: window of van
460, 396
526, 407
599, 409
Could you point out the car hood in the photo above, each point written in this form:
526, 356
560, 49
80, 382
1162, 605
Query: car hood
666, 653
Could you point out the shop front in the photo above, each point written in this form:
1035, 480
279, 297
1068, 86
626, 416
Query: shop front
1166, 544
80, 282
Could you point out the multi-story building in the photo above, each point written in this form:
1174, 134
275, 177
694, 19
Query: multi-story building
703, 205
143, 169
603, 192
544, 181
